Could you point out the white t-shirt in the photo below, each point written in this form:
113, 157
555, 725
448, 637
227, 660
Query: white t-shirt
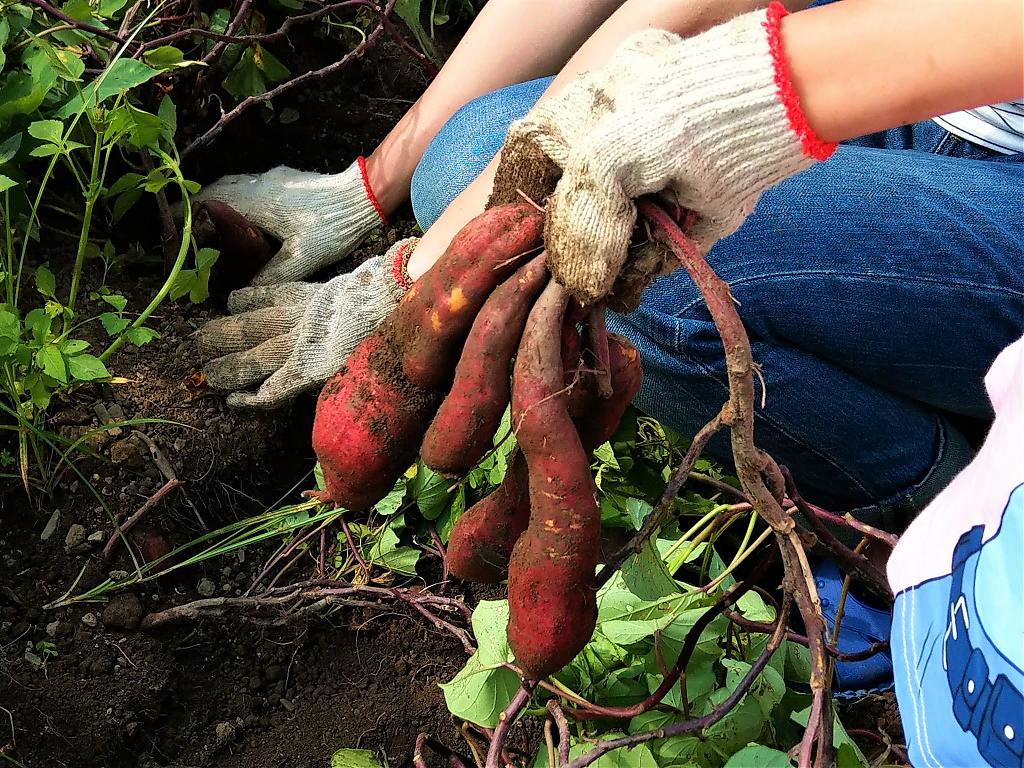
1000, 127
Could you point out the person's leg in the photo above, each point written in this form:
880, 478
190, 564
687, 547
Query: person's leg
465, 145
877, 288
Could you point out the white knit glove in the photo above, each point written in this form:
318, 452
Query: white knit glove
319, 218
293, 337
712, 121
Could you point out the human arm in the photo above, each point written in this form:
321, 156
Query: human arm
850, 66
320, 218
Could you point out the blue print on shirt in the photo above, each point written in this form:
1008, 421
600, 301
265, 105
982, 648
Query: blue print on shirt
958, 651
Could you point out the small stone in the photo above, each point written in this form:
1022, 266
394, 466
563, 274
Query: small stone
75, 537
90, 620
206, 588
58, 629
225, 732
118, 575
124, 611
51, 526
127, 453
33, 659
289, 707
96, 537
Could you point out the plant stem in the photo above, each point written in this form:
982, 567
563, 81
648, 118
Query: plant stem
186, 240
92, 195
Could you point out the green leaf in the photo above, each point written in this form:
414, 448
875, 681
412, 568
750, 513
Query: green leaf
38, 322
51, 362
138, 128
206, 258
79, 10
482, 689
638, 509
6, 182
125, 202
46, 283
387, 552
430, 490
47, 130
758, 756
168, 116
141, 335
113, 324
639, 756
245, 78
393, 501
10, 325
183, 283
116, 300
646, 576
164, 57
73, 347
355, 758
108, 8
122, 75
87, 368
123, 184
44, 150
269, 65
22, 92
9, 148
39, 392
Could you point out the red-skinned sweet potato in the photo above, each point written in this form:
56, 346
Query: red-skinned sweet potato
372, 414
482, 540
364, 419
461, 432
551, 590
434, 317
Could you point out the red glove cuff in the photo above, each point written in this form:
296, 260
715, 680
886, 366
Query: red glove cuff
812, 145
400, 266
361, 161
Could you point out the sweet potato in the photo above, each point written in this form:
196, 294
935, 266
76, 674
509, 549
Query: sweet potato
368, 419
551, 589
434, 317
372, 414
482, 540
461, 432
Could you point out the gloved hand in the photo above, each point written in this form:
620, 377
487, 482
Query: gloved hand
319, 218
293, 337
711, 121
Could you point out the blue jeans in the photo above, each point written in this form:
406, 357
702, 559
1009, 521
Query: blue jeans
876, 288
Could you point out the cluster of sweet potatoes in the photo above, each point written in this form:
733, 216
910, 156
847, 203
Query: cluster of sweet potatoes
434, 381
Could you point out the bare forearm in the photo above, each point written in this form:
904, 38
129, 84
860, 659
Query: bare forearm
509, 42
861, 66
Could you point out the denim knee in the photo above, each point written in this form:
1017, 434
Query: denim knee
465, 145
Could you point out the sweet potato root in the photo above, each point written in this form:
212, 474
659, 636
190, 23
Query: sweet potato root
551, 590
433, 319
482, 540
461, 432
364, 419
372, 415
